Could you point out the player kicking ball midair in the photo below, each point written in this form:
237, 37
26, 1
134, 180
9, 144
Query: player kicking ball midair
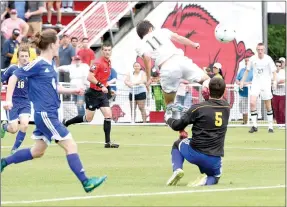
96, 96
264, 71
21, 104
206, 147
43, 92
157, 44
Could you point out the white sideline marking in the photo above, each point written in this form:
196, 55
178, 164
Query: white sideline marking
162, 145
142, 194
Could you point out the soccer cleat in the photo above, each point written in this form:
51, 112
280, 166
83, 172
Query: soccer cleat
92, 183
2, 131
175, 178
270, 130
3, 165
111, 145
200, 181
253, 129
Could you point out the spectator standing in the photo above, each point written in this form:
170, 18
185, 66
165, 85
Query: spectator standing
50, 9
8, 48
66, 54
67, 6
183, 95
157, 94
113, 80
34, 16
283, 62
75, 44
243, 94
217, 70
279, 94
87, 55
136, 82
20, 6
9, 24
78, 74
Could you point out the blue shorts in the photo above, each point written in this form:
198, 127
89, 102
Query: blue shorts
207, 164
20, 108
48, 127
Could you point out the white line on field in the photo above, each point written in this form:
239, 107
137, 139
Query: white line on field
163, 145
141, 194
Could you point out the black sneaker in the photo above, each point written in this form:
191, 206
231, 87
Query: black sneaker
253, 129
270, 131
111, 145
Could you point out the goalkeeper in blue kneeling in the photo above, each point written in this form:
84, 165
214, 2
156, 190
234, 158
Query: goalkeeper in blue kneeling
205, 149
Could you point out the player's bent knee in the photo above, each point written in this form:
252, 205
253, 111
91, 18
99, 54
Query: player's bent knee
176, 144
89, 117
13, 128
24, 127
69, 145
38, 150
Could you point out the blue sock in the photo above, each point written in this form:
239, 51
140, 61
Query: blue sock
211, 180
76, 166
19, 156
5, 126
19, 139
177, 159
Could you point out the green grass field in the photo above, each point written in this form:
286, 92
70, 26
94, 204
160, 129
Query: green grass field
253, 171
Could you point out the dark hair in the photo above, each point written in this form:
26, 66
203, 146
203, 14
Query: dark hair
85, 38
44, 39
216, 87
23, 48
278, 61
106, 44
143, 28
74, 38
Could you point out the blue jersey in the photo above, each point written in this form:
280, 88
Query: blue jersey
21, 89
43, 81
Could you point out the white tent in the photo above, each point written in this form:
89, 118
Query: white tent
276, 7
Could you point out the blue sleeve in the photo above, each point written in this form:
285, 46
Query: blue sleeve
6, 75
239, 75
5, 47
115, 74
28, 71
73, 52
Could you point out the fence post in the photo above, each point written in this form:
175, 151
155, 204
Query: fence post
248, 106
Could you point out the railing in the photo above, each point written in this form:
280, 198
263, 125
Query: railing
97, 19
123, 110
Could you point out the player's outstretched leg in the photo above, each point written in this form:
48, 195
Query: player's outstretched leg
24, 122
89, 184
23, 155
177, 164
76, 120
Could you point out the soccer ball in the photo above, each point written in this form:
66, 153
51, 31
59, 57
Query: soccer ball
224, 33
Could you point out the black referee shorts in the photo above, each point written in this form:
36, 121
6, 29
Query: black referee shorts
96, 99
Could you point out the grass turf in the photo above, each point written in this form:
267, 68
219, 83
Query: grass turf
142, 165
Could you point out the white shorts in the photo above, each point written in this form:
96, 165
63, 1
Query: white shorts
176, 68
262, 89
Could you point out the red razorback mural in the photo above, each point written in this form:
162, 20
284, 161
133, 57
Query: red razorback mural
197, 24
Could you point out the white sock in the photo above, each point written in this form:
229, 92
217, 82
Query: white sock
254, 118
270, 119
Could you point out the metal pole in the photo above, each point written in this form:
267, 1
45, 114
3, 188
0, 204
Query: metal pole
265, 25
109, 23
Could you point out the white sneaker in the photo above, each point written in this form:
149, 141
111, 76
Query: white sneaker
175, 178
63, 9
200, 181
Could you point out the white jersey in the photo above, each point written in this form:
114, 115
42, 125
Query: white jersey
158, 46
262, 69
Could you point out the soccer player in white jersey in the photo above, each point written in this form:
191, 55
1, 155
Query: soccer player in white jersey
43, 92
157, 44
264, 78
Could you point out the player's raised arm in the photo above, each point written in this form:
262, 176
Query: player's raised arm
183, 40
184, 121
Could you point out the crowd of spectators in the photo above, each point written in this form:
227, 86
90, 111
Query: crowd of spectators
21, 20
